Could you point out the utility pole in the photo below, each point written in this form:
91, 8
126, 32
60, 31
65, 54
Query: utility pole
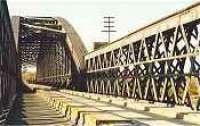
108, 26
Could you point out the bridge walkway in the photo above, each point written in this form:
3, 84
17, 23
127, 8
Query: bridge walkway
72, 108
30, 109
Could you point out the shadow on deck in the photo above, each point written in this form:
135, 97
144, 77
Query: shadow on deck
29, 109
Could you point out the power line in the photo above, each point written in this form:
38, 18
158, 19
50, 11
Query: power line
109, 26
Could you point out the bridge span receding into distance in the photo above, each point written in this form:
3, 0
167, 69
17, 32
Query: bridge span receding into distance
150, 77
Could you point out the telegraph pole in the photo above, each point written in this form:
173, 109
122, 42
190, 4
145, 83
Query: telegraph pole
108, 26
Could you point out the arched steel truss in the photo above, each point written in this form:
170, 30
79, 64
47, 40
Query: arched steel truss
159, 62
48, 43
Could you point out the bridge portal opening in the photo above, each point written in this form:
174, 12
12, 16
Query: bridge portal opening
44, 55
29, 73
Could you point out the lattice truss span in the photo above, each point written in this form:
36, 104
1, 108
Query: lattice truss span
49, 43
160, 62
42, 43
34, 32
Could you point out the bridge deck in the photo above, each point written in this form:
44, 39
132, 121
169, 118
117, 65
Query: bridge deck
108, 109
33, 110
66, 107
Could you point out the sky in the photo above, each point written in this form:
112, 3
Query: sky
86, 16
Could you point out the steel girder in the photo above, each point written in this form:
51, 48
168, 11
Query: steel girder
63, 66
77, 51
31, 36
54, 67
42, 42
163, 64
8, 63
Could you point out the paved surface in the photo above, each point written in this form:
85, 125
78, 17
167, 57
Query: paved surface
86, 109
33, 110
71, 108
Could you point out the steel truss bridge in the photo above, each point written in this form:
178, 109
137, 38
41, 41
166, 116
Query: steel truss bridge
158, 64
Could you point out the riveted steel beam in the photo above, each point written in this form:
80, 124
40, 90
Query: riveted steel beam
159, 62
9, 74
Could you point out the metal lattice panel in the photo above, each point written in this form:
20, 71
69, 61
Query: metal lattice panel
158, 66
31, 37
42, 43
9, 76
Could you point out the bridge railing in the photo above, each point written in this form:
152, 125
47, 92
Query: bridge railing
159, 62
8, 63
